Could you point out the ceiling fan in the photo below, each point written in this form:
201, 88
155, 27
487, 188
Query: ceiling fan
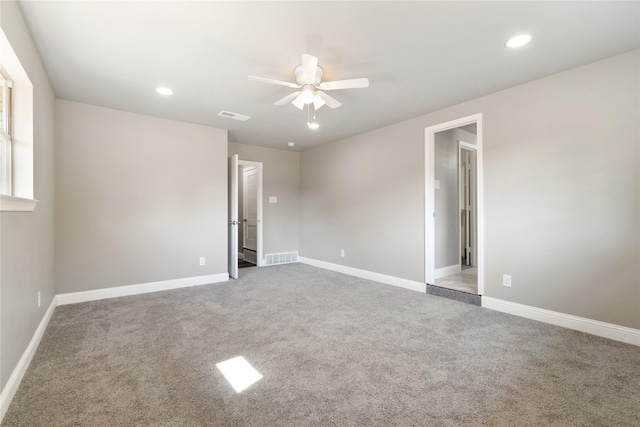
311, 87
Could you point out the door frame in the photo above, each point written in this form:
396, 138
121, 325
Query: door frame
429, 199
258, 166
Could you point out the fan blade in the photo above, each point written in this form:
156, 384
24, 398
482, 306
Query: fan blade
287, 98
275, 82
345, 84
331, 101
298, 102
309, 67
318, 102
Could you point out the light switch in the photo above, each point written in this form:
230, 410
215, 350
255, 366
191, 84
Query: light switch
436, 184
273, 199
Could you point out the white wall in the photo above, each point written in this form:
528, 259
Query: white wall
26, 238
138, 199
561, 191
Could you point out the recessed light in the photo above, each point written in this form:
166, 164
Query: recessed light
291, 144
518, 41
164, 91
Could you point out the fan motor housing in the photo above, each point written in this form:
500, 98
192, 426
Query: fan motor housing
299, 75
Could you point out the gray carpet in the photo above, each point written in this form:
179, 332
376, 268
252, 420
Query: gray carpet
333, 350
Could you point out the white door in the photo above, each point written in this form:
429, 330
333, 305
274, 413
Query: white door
466, 204
468, 191
233, 216
250, 207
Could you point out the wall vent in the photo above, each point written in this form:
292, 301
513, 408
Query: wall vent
235, 116
250, 256
282, 258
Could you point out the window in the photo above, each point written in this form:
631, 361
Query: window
6, 131
16, 133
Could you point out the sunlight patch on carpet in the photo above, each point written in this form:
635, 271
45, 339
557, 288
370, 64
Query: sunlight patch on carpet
239, 373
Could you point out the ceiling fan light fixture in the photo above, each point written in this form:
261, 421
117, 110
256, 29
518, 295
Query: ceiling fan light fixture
307, 96
298, 102
313, 125
310, 89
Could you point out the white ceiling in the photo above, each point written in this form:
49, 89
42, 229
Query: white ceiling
418, 56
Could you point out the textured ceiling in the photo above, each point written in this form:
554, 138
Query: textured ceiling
418, 56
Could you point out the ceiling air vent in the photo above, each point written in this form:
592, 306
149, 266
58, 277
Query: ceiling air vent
230, 115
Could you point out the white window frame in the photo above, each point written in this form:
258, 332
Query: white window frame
6, 134
19, 192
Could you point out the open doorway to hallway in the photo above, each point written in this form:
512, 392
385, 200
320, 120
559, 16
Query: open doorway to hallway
454, 206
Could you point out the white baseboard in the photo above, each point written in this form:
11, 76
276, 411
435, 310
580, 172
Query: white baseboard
10, 388
365, 274
582, 324
447, 271
143, 288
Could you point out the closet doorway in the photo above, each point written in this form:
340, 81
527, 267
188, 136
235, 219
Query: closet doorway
248, 211
245, 214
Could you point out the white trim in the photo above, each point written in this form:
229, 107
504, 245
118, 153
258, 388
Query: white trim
142, 288
365, 274
467, 145
10, 388
429, 177
447, 271
16, 204
582, 324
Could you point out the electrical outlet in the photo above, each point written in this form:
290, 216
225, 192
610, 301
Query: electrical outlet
203, 261
39, 300
342, 253
506, 280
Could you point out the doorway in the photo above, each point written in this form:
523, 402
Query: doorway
454, 206
248, 210
245, 202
